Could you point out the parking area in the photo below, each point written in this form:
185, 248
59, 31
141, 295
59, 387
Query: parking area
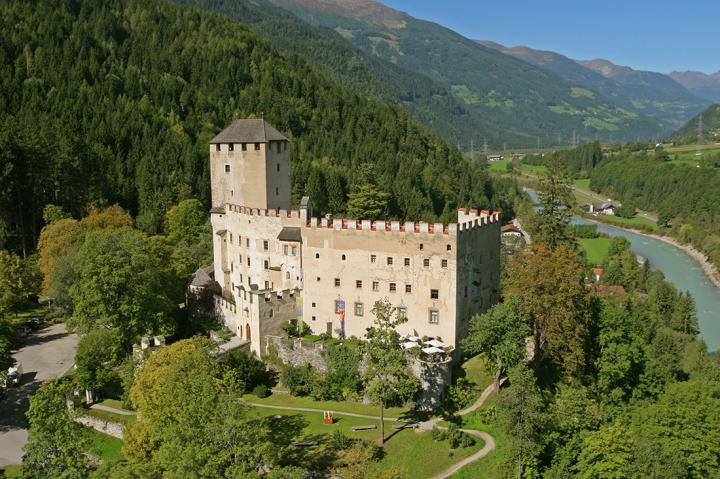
48, 353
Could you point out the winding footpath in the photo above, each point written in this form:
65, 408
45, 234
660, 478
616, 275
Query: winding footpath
424, 426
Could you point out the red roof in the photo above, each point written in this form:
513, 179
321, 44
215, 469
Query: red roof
598, 271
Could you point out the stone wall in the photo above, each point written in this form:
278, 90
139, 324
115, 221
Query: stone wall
111, 428
434, 377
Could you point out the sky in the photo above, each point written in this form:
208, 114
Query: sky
656, 35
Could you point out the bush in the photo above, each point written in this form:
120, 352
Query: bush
300, 380
437, 434
261, 391
247, 371
343, 378
457, 438
457, 396
295, 330
339, 441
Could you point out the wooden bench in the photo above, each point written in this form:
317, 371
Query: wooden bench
363, 428
407, 425
304, 443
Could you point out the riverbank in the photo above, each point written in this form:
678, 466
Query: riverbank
710, 269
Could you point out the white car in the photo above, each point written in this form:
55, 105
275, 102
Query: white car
14, 375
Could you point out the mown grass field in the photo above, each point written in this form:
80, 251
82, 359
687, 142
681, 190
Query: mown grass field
286, 400
596, 249
634, 222
415, 454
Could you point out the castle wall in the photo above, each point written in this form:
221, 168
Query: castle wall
358, 258
278, 175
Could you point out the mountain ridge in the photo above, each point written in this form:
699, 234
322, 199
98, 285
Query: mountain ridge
515, 103
654, 94
702, 84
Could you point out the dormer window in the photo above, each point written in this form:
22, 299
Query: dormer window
243, 147
257, 146
217, 147
231, 147
227, 168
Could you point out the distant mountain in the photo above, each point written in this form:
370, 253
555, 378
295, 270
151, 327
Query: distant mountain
703, 85
652, 94
430, 103
710, 127
508, 100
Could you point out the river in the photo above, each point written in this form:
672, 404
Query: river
681, 270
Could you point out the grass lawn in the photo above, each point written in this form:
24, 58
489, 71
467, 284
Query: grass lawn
534, 169
499, 166
634, 222
416, 454
280, 399
596, 249
10, 471
105, 447
584, 184
474, 370
492, 466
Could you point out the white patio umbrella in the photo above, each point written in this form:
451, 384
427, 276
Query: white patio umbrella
409, 345
435, 343
432, 350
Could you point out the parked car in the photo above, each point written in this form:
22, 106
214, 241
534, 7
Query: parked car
14, 375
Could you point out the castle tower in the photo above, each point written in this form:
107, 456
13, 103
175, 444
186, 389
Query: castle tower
250, 166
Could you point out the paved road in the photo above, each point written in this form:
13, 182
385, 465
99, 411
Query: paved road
47, 353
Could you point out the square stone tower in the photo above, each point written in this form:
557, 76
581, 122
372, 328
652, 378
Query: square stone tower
250, 166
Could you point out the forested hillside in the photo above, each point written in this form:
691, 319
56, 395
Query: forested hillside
427, 101
116, 103
516, 102
684, 196
710, 127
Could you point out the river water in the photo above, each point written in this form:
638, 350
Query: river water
681, 270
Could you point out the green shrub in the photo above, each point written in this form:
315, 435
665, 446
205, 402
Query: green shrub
437, 434
261, 391
299, 380
339, 440
244, 371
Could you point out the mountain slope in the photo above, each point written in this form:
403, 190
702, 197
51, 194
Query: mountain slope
520, 101
710, 127
430, 103
703, 85
648, 93
162, 80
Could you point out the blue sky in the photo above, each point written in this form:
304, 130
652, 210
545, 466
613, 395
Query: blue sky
657, 35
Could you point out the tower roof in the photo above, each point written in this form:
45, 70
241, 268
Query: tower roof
250, 130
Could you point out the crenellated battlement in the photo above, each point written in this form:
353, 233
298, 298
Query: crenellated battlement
269, 212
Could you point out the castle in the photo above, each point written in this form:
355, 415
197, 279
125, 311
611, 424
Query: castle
275, 264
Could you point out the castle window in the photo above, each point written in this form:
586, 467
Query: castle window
337, 282
278, 166
373, 258
358, 284
231, 147
227, 168
232, 267
265, 245
376, 286
466, 291
434, 317
313, 305
243, 147
271, 311
343, 257
294, 251
389, 260
449, 247
402, 312
443, 263
241, 280
317, 255
359, 309
217, 147
247, 242
426, 262
248, 260
313, 318
393, 287
421, 246
257, 146
287, 274
267, 285
434, 294
277, 191
279, 146
317, 279
285, 249
408, 288
266, 264
407, 261
230, 238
